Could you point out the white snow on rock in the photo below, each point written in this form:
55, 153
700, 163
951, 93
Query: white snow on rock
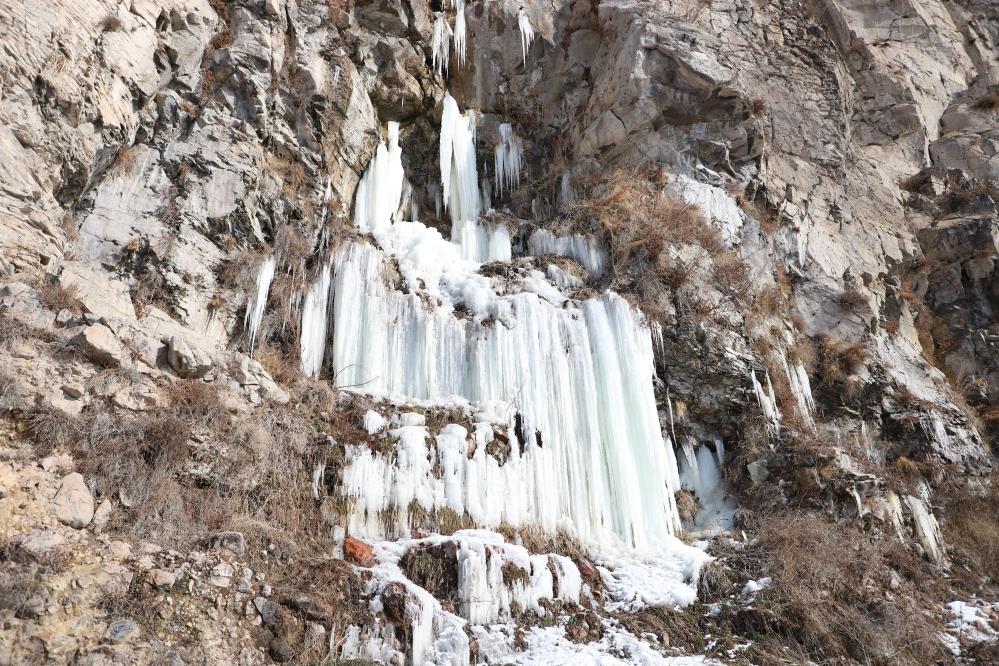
973, 622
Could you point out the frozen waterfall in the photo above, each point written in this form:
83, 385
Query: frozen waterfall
509, 151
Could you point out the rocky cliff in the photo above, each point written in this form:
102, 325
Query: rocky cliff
495, 332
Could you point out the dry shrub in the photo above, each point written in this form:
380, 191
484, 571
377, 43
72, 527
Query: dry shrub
971, 528
111, 23
853, 300
56, 297
837, 360
987, 102
290, 173
197, 401
757, 107
219, 40
831, 596
284, 366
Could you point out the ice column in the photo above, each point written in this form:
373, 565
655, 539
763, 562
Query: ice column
459, 32
314, 321
258, 299
380, 190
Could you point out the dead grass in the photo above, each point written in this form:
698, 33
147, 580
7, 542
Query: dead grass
971, 530
832, 594
853, 300
644, 228
197, 402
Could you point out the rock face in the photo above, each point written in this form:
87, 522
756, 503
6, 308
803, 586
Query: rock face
408, 272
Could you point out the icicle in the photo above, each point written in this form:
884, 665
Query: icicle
440, 42
508, 158
258, 299
584, 249
526, 32
380, 191
767, 400
314, 323
459, 32
566, 194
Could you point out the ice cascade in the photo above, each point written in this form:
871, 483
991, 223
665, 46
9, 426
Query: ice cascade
313, 327
440, 42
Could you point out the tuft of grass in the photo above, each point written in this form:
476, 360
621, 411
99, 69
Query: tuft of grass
56, 297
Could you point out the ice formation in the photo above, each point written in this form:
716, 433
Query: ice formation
768, 401
716, 204
460, 177
380, 191
440, 42
526, 32
508, 158
459, 32
587, 250
801, 388
313, 326
258, 299
700, 473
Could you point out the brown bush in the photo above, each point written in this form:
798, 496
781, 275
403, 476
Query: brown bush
987, 102
853, 300
641, 225
56, 297
111, 23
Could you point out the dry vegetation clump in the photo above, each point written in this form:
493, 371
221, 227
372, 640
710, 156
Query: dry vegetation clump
435, 569
971, 530
111, 23
987, 102
853, 300
645, 230
56, 297
836, 366
840, 593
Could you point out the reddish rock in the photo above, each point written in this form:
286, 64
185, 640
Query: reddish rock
358, 552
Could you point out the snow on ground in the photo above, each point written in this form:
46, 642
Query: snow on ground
973, 622
550, 646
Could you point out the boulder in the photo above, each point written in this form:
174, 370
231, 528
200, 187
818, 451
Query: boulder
358, 552
73, 505
99, 343
99, 292
187, 361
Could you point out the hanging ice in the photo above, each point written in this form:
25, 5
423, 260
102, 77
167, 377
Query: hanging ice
801, 388
313, 328
380, 191
459, 32
440, 42
767, 400
258, 299
587, 250
508, 158
526, 32
700, 473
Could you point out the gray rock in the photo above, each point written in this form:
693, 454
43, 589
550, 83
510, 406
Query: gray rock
99, 343
120, 629
187, 361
